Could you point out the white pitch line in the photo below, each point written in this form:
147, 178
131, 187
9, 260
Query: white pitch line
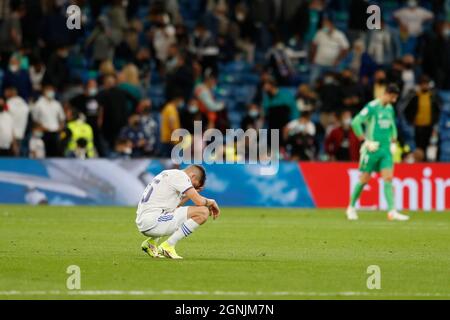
219, 293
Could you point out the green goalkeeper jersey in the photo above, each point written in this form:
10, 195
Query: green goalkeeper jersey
379, 121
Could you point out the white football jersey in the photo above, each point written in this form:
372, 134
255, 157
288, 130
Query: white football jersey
165, 192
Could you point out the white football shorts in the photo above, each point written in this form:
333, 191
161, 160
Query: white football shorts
163, 224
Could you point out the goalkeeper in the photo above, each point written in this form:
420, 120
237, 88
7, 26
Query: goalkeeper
380, 137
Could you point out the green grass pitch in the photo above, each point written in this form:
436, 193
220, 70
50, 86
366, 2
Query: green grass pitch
246, 254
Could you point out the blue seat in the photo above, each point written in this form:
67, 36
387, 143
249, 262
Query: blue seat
446, 107
250, 78
244, 94
445, 96
235, 118
157, 102
237, 67
156, 90
231, 104
224, 91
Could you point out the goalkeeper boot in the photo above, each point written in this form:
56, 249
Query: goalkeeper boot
169, 251
395, 216
150, 247
351, 214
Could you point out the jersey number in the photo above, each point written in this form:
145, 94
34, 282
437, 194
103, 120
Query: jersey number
148, 191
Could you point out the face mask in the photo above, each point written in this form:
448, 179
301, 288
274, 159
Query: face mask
328, 80
326, 29
50, 95
447, 32
14, 68
253, 113
193, 109
347, 122
38, 134
301, 128
172, 63
128, 151
240, 17
92, 92
412, 4
381, 81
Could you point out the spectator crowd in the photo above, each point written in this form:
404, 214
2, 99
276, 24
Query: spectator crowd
138, 70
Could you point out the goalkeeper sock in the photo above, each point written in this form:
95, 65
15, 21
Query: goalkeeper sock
356, 193
183, 231
389, 194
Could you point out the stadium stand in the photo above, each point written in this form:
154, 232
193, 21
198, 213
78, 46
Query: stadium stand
173, 43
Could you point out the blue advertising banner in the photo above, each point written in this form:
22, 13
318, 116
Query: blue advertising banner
121, 182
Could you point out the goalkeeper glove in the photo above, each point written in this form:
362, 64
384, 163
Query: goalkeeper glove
371, 146
393, 148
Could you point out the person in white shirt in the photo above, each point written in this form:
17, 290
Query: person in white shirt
36, 146
160, 212
8, 146
329, 48
413, 17
49, 114
19, 111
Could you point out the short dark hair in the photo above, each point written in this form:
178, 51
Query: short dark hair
393, 89
202, 172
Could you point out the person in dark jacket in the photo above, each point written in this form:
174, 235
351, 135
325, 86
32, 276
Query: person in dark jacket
113, 111
17, 78
423, 112
58, 72
435, 55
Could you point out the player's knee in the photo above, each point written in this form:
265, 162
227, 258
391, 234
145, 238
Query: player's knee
201, 215
205, 213
364, 179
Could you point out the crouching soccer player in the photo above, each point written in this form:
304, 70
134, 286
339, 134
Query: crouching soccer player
160, 212
376, 152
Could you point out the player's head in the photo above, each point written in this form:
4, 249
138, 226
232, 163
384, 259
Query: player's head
197, 174
391, 94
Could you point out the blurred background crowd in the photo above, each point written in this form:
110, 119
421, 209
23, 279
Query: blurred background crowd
138, 70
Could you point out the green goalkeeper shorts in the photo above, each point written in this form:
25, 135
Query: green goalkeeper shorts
376, 161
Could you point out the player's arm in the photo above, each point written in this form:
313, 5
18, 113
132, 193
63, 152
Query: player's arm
199, 200
357, 125
186, 198
183, 201
359, 120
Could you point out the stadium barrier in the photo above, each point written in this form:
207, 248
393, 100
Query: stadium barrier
296, 185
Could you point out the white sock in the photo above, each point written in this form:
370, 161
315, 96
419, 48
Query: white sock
185, 230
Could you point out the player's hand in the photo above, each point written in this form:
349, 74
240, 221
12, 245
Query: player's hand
371, 146
213, 208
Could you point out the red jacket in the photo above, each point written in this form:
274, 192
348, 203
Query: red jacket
334, 140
